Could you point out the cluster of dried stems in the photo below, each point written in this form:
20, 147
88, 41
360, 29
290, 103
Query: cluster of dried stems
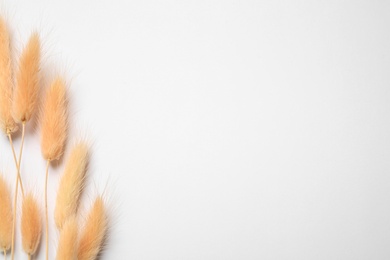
19, 102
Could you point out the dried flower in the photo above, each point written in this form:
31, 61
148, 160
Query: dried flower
27, 81
31, 224
7, 122
94, 232
67, 245
71, 184
5, 215
54, 121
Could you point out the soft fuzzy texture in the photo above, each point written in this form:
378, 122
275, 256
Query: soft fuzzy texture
54, 121
67, 245
71, 184
5, 215
93, 234
31, 224
7, 122
27, 81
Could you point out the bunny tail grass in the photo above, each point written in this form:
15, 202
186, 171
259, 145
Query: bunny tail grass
5, 216
71, 184
7, 123
31, 225
54, 126
27, 81
54, 123
94, 232
67, 245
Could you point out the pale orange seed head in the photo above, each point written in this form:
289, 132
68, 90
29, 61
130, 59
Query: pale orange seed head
54, 121
27, 81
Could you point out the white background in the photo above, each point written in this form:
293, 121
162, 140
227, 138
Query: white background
223, 129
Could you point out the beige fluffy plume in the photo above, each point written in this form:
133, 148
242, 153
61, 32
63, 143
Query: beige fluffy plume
27, 81
67, 245
71, 184
54, 123
7, 122
93, 234
31, 225
5, 216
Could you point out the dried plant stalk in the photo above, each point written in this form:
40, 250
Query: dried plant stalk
18, 106
7, 122
27, 81
54, 122
71, 184
54, 133
31, 224
26, 94
94, 232
67, 245
5, 216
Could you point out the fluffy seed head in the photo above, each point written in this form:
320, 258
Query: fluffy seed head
93, 234
27, 81
54, 123
5, 215
7, 122
71, 184
67, 245
31, 225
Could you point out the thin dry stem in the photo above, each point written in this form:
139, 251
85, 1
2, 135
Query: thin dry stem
20, 156
17, 182
46, 212
19, 179
21, 145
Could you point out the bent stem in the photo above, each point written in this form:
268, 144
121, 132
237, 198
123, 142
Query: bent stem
16, 161
20, 155
46, 213
18, 180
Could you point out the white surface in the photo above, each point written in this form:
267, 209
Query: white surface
226, 129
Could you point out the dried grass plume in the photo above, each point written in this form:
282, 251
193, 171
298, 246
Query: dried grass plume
5, 215
31, 224
7, 122
94, 232
67, 245
27, 81
71, 184
54, 121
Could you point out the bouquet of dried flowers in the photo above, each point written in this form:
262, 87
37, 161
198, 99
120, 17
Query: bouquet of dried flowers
19, 101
